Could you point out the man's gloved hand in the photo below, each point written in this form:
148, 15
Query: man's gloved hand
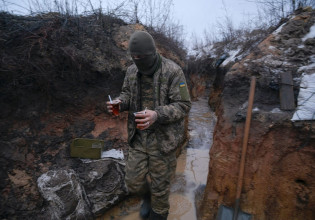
145, 119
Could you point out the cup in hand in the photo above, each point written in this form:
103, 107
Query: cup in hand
115, 107
140, 115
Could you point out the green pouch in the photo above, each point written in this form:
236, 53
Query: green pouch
86, 148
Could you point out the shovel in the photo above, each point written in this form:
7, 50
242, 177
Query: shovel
227, 213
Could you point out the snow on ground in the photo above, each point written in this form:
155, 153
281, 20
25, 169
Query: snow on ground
311, 34
278, 30
232, 56
200, 52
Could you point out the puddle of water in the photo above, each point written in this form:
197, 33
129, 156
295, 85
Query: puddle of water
128, 209
180, 207
192, 164
191, 171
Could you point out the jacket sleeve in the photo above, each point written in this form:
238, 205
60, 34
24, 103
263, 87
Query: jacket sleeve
179, 100
125, 94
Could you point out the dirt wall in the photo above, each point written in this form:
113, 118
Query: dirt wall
279, 178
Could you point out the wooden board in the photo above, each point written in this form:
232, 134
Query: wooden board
286, 92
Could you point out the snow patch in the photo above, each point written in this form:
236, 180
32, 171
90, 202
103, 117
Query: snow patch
311, 34
309, 68
278, 30
276, 110
305, 68
232, 56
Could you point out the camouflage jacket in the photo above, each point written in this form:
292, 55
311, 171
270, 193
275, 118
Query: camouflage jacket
171, 102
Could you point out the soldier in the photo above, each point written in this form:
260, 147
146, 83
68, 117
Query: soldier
155, 94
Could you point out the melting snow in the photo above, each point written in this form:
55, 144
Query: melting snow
311, 34
303, 68
232, 56
279, 29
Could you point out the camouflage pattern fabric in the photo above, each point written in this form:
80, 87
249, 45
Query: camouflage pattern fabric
152, 152
171, 101
145, 161
146, 91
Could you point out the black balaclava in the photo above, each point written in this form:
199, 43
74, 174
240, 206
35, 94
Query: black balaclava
141, 43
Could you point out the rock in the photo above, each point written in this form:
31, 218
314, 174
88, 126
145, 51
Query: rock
310, 42
65, 195
103, 181
93, 188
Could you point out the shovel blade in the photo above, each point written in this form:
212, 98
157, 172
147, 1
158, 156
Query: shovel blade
226, 213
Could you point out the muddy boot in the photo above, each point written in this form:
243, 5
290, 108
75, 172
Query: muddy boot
155, 216
146, 206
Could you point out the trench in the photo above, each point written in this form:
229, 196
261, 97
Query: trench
191, 171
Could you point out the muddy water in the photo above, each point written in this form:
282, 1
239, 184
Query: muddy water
191, 171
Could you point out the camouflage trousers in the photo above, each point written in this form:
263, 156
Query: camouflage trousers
148, 169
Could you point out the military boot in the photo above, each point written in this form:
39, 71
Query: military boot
145, 206
156, 216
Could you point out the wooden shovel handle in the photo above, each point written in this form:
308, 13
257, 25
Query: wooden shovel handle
245, 138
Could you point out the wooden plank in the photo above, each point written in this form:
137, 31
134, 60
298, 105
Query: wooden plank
286, 92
